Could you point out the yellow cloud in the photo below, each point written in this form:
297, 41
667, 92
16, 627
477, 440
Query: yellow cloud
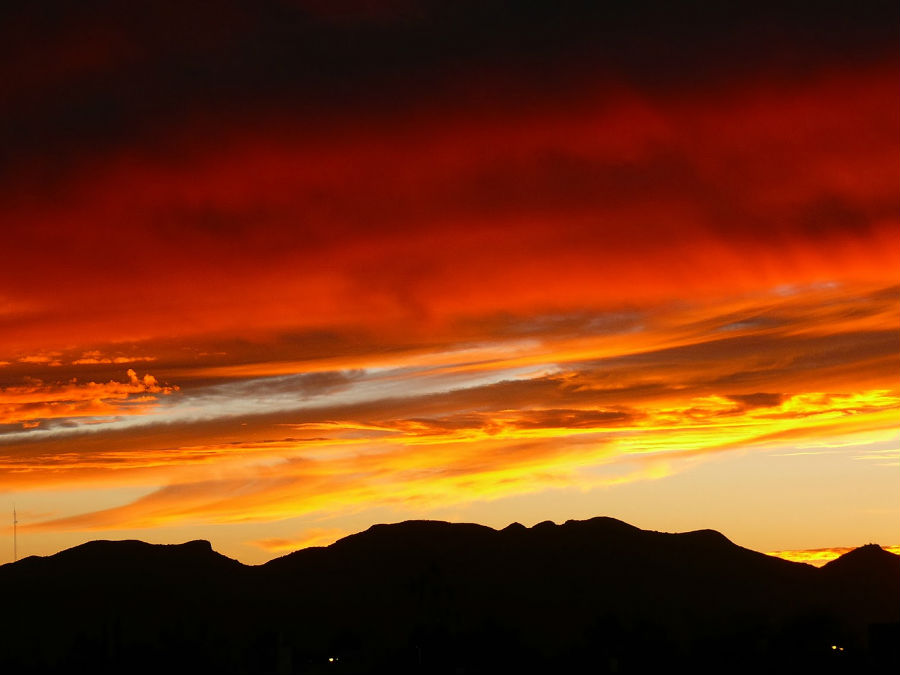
821, 556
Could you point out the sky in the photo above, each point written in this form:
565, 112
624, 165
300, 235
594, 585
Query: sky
271, 273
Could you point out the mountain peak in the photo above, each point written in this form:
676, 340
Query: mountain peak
605, 523
709, 535
863, 560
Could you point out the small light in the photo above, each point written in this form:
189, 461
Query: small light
834, 646
331, 658
840, 649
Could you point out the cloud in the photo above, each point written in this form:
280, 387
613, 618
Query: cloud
48, 359
337, 465
378, 271
757, 400
37, 401
303, 385
316, 536
398, 474
678, 388
409, 211
497, 422
95, 357
821, 556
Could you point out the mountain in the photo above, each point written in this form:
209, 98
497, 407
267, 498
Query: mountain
865, 587
433, 597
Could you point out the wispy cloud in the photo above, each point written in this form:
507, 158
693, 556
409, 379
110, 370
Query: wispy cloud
96, 357
339, 464
316, 536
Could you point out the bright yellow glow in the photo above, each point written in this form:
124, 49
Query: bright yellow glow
820, 556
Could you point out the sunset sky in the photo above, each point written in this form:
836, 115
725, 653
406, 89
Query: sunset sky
271, 273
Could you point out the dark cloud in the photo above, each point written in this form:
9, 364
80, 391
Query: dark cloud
101, 72
573, 419
304, 385
757, 400
769, 352
491, 422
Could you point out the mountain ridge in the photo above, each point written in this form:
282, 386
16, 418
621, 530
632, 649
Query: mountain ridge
613, 524
432, 596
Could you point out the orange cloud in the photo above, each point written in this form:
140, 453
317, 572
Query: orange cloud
689, 381
316, 536
95, 357
48, 359
463, 457
439, 473
30, 403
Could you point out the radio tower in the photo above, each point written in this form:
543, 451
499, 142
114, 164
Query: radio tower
15, 536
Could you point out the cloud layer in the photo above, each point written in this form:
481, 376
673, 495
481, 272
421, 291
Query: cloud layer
409, 255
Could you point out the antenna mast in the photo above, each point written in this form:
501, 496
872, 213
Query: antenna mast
15, 536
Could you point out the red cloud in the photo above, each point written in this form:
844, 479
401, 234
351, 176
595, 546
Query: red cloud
454, 210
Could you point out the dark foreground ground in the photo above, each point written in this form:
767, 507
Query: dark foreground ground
596, 596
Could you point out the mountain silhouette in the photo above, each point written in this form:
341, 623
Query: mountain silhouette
433, 597
863, 562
